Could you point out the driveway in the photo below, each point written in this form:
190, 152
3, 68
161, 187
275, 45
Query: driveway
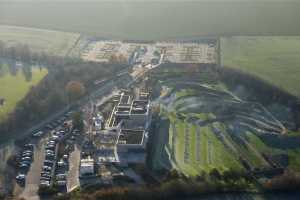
73, 175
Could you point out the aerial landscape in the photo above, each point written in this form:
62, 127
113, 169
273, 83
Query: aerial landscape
126, 99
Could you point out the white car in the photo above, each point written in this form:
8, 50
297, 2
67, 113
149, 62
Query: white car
38, 134
44, 183
21, 177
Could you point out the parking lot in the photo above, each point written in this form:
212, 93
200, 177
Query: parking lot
50, 158
33, 176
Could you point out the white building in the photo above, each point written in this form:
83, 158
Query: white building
87, 166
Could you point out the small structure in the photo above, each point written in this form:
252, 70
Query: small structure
87, 166
98, 122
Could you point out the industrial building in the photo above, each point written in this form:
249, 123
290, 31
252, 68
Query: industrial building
125, 136
87, 166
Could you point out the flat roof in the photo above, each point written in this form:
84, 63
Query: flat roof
139, 106
129, 136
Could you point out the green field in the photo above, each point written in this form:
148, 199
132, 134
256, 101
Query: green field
274, 59
14, 88
39, 40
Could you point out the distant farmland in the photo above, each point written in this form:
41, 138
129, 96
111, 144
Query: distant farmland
128, 19
274, 59
39, 40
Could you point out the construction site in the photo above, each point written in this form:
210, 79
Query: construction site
146, 53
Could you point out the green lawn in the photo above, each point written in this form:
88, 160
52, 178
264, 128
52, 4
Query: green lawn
49, 41
274, 59
14, 88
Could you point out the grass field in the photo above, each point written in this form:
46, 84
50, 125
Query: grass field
49, 41
14, 88
274, 59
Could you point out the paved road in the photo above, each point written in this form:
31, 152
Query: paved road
73, 175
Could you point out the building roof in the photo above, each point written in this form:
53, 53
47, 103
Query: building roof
129, 136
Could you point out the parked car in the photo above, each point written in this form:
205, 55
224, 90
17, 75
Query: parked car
24, 166
45, 177
61, 163
61, 183
21, 177
47, 168
29, 146
38, 134
55, 137
65, 157
61, 177
28, 151
45, 173
48, 163
44, 183
50, 157
26, 159
49, 127
52, 142
24, 154
49, 151
50, 147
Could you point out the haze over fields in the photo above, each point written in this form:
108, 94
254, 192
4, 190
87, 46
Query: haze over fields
156, 19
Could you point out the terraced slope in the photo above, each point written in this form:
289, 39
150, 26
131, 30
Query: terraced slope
209, 127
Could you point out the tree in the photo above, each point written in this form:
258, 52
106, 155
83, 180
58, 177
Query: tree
289, 181
77, 121
231, 175
215, 174
75, 90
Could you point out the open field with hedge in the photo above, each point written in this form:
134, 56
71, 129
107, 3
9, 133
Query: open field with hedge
39, 40
274, 59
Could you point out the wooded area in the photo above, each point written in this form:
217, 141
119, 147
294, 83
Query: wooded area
50, 94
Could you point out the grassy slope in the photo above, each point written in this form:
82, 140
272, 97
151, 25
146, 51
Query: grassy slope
52, 42
294, 160
274, 59
14, 88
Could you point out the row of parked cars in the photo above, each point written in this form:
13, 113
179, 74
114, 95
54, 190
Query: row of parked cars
61, 171
25, 160
50, 162
27, 154
48, 165
53, 125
